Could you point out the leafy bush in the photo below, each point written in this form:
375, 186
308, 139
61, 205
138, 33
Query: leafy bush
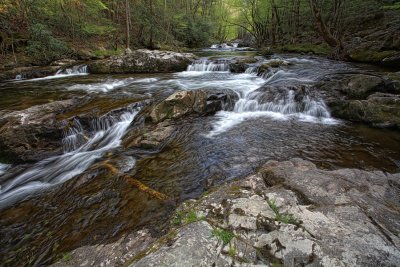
43, 47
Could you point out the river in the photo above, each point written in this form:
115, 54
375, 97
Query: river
68, 200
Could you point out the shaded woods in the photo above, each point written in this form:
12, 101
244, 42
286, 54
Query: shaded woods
42, 31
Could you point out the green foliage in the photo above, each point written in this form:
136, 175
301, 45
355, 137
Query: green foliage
224, 235
66, 257
186, 217
321, 49
192, 32
43, 47
232, 251
284, 218
394, 6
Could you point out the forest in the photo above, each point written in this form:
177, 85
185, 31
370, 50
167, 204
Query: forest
42, 31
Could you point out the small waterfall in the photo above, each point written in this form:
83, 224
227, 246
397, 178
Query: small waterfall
3, 168
214, 46
80, 153
18, 77
235, 45
209, 66
75, 70
251, 70
285, 101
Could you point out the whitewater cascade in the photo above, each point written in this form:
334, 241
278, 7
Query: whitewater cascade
209, 66
80, 152
282, 96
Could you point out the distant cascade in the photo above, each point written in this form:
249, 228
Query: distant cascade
18, 77
208, 66
75, 70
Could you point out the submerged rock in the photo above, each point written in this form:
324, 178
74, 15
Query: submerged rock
143, 61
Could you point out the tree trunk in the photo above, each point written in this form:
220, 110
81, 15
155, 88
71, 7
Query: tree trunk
127, 19
337, 45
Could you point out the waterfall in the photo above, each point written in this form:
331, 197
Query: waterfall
283, 96
251, 70
80, 152
285, 101
75, 70
3, 168
209, 66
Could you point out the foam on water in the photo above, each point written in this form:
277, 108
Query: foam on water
285, 104
62, 73
110, 84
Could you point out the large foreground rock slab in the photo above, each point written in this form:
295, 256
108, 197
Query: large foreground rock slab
294, 214
143, 61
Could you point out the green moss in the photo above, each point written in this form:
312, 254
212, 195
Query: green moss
186, 217
66, 257
108, 52
321, 49
371, 56
395, 6
224, 235
232, 251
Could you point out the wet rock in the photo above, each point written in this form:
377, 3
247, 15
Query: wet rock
361, 86
240, 64
184, 103
179, 104
379, 110
366, 98
289, 213
28, 72
34, 133
143, 61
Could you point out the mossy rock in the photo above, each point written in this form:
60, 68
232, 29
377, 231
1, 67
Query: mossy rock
317, 49
370, 56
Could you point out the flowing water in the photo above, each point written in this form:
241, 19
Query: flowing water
71, 200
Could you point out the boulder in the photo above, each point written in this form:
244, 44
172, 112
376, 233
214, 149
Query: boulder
183, 103
143, 61
379, 110
361, 85
289, 213
28, 72
240, 64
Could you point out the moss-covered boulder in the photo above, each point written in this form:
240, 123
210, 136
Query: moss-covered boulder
143, 61
361, 86
379, 110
